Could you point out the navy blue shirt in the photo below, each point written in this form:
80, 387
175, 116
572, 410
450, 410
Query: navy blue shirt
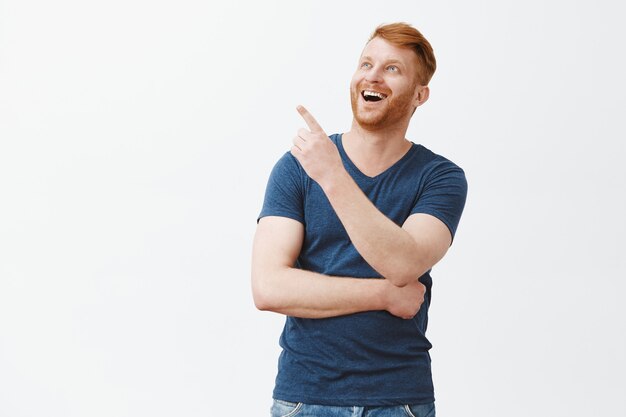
369, 358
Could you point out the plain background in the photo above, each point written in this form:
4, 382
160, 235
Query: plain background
136, 138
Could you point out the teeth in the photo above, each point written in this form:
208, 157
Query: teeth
374, 94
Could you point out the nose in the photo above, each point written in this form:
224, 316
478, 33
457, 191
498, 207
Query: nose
374, 74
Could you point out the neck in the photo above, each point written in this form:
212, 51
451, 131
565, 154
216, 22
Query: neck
373, 151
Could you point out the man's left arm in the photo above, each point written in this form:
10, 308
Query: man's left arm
400, 254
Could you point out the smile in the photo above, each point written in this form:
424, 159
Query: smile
369, 95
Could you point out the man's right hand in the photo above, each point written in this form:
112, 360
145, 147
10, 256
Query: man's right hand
405, 302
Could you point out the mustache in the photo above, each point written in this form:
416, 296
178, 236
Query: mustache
365, 86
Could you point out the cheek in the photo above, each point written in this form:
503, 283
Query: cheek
354, 82
400, 89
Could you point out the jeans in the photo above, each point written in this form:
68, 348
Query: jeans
287, 409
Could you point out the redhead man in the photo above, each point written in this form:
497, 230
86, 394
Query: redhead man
350, 228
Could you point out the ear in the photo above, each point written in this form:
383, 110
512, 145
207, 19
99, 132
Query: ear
421, 95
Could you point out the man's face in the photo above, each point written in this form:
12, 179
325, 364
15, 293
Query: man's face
384, 89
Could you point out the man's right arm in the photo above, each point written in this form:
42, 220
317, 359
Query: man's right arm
280, 287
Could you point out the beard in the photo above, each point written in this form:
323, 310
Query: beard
392, 110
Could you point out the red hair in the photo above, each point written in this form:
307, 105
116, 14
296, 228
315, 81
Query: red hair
406, 36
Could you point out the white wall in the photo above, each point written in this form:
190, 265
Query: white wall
136, 138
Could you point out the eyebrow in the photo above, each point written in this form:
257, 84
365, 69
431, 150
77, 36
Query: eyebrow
390, 61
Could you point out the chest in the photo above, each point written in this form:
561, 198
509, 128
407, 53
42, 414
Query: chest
394, 197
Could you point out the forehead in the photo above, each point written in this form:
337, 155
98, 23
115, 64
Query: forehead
380, 49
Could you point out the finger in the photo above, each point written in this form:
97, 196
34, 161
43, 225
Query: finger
309, 119
295, 151
303, 134
298, 142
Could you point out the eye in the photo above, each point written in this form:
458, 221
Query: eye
366, 65
392, 68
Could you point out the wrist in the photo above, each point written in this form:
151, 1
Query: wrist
333, 180
382, 294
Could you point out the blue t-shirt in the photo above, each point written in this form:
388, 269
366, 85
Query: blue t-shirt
371, 358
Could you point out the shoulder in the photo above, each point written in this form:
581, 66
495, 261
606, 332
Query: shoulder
435, 164
429, 157
288, 166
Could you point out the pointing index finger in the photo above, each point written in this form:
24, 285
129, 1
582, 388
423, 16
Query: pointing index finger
309, 119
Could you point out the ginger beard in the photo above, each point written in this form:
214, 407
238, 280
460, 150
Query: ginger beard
383, 113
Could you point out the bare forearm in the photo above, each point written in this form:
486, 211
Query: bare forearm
278, 286
388, 248
300, 293
400, 254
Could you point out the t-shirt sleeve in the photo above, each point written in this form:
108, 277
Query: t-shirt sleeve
284, 195
444, 194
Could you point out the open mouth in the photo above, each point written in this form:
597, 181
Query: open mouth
369, 95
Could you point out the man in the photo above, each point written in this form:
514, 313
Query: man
350, 228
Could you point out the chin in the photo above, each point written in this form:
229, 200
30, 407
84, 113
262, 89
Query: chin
369, 119
372, 119
370, 122
381, 118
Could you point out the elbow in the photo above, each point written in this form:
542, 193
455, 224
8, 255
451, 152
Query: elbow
260, 296
259, 299
262, 302
407, 267
264, 297
405, 277
401, 280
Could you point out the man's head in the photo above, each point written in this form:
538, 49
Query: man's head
392, 78
406, 36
